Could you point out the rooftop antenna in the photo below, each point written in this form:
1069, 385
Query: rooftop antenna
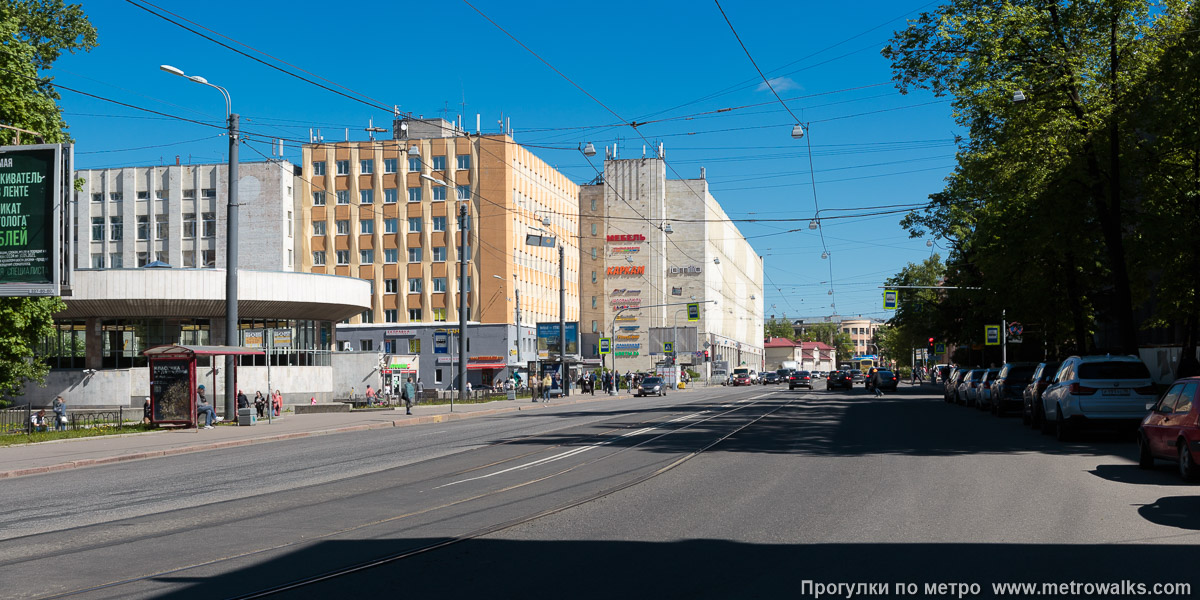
372, 129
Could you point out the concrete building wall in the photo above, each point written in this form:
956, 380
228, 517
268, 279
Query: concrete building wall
592, 259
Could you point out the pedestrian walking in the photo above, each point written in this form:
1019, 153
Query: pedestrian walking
408, 393
60, 414
546, 383
260, 403
242, 400
147, 412
277, 402
370, 396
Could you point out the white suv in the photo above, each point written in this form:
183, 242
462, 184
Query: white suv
1098, 391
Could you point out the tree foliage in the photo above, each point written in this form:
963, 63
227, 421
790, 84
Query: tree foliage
35, 34
830, 334
1052, 204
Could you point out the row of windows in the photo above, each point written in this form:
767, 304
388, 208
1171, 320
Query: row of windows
116, 260
367, 166
159, 194
391, 195
367, 226
391, 315
116, 227
390, 256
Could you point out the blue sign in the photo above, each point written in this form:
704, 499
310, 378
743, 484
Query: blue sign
547, 336
441, 342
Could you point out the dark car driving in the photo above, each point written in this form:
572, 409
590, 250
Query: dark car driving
800, 379
840, 379
885, 380
770, 377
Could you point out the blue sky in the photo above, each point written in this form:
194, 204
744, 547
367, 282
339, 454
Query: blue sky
669, 64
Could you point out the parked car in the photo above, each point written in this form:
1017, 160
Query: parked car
651, 385
817, 375
1043, 374
1170, 431
800, 379
955, 377
942, 372
770, 377
885, 380
1096, 391
970, 383
741, 379
983, 395
1009, 386
840, 379
856, 375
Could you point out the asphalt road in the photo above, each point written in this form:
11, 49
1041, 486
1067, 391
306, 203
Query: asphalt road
728, 493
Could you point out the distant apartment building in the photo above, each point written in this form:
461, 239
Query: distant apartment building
651, 245
387, 212
860, 329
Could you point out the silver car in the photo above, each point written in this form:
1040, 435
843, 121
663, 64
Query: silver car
651, 385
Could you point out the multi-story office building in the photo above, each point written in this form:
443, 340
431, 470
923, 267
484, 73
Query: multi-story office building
651, 245
386, 211
860, 329
150, 270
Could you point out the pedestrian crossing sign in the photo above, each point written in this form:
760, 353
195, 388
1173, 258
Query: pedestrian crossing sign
668, 347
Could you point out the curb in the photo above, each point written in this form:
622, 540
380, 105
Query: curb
418, 420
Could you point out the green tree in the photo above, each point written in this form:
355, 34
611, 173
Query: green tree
831, 335
35, 33
779, 328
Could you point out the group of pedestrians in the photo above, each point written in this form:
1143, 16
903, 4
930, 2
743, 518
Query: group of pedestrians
37, 421
205, 410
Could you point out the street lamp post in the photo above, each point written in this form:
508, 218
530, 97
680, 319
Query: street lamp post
463, 259
231, 241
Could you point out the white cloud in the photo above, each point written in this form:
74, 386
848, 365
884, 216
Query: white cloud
780, 84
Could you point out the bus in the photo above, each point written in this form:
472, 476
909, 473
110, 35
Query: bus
863, 363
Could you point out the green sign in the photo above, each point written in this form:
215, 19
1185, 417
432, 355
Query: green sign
991, 335
29, 189
693, 311
669, 347
605, 345
891, 299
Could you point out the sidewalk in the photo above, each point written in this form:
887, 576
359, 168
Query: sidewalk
58, 455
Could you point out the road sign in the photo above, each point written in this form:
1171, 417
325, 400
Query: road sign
668, 347
991, 335
693, 311
891, 299
1015, 328
939, 348
605, 345
1015, 339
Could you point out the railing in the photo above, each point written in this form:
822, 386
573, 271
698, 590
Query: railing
19, 419
15, 419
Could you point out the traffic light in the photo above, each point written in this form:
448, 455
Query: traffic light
706, 356
931, 345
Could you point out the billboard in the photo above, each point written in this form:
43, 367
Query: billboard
547, 337
30, 193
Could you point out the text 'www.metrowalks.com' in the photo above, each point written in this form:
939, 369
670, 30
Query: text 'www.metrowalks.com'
1123, 588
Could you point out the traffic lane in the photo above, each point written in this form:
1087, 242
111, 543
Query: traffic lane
69, 499
427, 498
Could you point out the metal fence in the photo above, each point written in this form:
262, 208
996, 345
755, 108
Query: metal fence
15, 419
19, 419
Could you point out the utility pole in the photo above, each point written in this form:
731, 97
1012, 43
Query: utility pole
462, 304
562, 319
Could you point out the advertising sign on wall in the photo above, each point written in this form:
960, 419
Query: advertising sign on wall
30, 189
626, 270
547, 336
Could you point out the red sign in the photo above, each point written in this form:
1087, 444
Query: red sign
626, 270
636, 237
485, 359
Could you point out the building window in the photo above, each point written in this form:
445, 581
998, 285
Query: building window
464, 192
414, 344
143, 195
593, 207
189, 194
390, 314
439, 193
458, 280
366, 196
366, 345
208, 224
414, 165
389, 286
366, 167
439, 254
414, 314
439, 223
97, 229
318, 258
414, 285
208, 192
593, 277
439, 315
97, 261
318, 168
143, 258
162, 194
343, 167
439, 163
366, 257
343, 257
143, 228
189, 225
162, 227
366, 226
343, 197
318, 227
414, 194
464, 225
593, 232
437, 376
318, 198
98, 197
343, 227
593, 302
464, 161
116, 229
117, 261
439, 284
390, 196
390, 255
594, 327
209, 258
414, 224
414, 255
389, 165
389, 225
116, 196
593, 254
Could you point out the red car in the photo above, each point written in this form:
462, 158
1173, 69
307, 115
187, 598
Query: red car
1171, 432
742, 379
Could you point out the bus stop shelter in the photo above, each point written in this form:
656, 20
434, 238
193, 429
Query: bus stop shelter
173, 380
